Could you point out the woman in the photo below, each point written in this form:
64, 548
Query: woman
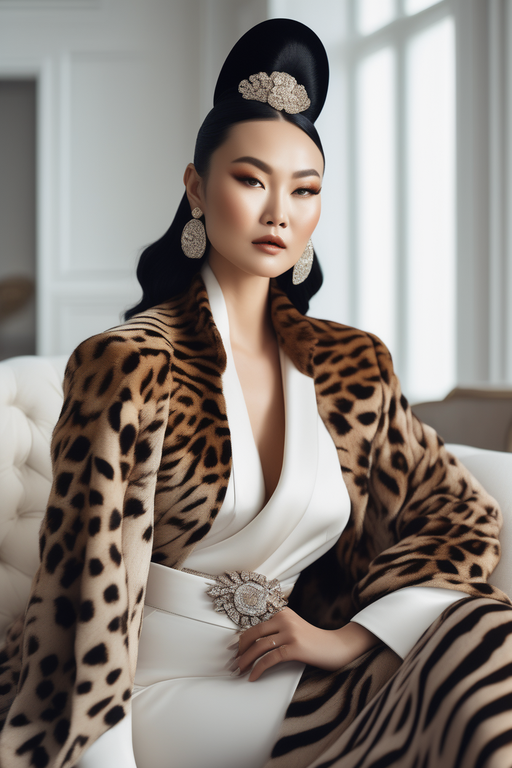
220, 430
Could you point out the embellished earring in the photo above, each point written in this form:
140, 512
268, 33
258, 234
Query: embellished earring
193, 237
302, 268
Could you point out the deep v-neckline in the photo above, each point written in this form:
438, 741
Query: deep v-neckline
272, 485
243, 432
232, 383
271, 537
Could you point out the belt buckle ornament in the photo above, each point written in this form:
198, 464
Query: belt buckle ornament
248, 598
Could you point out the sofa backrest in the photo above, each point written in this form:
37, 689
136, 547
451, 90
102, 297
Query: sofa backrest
494, 470
30, 403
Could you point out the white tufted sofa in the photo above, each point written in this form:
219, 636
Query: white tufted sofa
30, 402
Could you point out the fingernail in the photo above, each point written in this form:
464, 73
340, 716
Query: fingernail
234, 643
236, 672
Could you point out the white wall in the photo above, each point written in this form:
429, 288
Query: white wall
118, 85
221, 23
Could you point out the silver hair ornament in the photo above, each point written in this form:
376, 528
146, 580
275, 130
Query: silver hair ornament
280, 90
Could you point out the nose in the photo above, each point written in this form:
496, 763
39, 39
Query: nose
274, 214
278, 223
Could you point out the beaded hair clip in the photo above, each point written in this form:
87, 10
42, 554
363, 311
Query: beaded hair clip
280, 90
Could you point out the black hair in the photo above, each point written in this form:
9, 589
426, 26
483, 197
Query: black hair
163, 270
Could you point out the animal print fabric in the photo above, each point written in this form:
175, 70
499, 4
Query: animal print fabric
141, 459
447, 705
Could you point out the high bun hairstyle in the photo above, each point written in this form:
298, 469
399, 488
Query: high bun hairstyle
276, 45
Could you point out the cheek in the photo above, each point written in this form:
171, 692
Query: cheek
232, 206
308, 217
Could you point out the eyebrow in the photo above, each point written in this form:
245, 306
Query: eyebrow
267, 169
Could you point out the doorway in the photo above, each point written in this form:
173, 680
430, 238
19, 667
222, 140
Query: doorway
17, 217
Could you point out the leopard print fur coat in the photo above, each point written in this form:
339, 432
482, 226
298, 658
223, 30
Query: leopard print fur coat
141, 457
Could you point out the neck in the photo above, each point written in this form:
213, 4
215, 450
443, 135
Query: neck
247, 304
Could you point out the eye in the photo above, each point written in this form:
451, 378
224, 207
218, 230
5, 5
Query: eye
250, 181
306, 191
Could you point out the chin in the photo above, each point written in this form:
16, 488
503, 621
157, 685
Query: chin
271, 268
269, 273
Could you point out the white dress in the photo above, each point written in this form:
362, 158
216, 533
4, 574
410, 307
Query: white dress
187, 709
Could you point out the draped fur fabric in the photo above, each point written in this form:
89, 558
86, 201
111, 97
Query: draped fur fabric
142, 460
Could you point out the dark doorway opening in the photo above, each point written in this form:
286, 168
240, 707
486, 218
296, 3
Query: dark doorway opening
17, 217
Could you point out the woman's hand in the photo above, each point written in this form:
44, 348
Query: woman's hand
287, 637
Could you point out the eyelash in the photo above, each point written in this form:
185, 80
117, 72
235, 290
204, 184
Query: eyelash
309, 190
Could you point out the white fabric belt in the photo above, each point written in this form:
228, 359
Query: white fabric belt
184, 594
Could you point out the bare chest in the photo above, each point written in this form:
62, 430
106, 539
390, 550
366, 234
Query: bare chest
261, 382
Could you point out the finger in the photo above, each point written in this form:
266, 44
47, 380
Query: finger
270, 659
259, 648
250, 636
234, 643
264, 628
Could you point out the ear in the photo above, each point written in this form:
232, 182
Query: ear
194, 187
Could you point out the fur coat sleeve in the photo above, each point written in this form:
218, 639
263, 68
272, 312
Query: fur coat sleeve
418, 516
75, 659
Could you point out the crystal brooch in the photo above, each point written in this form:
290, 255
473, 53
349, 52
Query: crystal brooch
247, 597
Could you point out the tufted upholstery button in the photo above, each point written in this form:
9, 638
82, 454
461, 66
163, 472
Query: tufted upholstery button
30, 403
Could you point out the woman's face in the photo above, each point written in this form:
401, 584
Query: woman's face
261, 198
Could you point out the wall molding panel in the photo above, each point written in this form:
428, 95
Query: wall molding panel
80, 314
115, 130
97, 108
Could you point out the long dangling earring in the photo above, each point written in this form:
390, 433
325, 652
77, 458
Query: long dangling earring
193, 237
302, 268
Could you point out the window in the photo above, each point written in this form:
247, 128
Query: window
415, 237
401, 74
394, 62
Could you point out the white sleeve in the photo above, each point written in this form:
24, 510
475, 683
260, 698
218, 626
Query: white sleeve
400, 618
